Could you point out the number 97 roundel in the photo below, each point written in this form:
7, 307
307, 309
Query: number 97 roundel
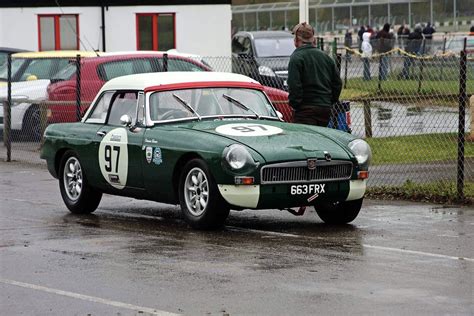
113, 157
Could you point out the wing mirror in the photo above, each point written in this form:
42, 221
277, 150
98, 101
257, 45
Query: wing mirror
126, 120
280, 116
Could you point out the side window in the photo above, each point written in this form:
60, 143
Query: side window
123, 103
182, 65
99, 113
141, 109
117, 69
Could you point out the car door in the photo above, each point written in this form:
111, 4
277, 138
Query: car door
119, 147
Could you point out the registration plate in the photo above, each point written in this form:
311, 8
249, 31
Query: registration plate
299, 189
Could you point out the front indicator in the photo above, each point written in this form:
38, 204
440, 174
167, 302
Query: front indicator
362, 175
244, 180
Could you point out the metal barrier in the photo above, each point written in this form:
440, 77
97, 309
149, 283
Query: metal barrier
413, 109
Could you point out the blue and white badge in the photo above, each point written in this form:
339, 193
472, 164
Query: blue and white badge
157, 158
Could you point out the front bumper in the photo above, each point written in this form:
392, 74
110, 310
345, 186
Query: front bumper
278, 196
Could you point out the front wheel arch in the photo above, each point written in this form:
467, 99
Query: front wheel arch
178, 168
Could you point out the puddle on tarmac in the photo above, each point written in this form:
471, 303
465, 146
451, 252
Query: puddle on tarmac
394, 119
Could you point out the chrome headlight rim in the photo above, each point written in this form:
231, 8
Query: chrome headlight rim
362, 152
237, 159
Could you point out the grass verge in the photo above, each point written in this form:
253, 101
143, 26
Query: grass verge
416, 148
436, 192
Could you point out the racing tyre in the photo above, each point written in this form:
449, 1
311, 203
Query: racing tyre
338, 212
201, 203
78, 196
31, 127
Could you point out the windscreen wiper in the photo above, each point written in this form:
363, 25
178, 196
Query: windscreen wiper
186, 105
240, 104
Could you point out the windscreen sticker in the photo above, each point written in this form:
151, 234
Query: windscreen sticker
248, 129
113, 157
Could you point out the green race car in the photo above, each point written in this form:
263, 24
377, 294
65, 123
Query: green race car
208, 141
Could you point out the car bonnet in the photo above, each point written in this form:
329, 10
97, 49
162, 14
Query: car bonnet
277, 141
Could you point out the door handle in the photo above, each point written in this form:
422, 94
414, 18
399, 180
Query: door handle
101, 133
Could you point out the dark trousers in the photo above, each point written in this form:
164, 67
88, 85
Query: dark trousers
313, 115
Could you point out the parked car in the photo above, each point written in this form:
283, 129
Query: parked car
5, 52
263, 56
96, 71
207, 141
31, 72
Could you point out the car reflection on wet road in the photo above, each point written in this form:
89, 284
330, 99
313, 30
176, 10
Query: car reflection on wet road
134, 257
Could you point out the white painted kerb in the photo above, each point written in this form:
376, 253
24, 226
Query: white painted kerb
240, 195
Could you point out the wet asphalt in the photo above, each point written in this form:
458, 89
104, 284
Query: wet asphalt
135, 257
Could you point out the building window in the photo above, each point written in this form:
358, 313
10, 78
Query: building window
58, 32
156, 31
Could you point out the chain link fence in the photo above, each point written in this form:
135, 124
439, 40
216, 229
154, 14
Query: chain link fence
412, 107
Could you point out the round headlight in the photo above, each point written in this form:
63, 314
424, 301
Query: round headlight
266, 71
238, 159
361, 151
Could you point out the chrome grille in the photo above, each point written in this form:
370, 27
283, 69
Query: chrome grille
298, 171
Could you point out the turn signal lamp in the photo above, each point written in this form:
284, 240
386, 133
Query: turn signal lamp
244, 180
363, 175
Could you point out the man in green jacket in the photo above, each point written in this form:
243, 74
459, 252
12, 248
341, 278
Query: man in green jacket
313, 80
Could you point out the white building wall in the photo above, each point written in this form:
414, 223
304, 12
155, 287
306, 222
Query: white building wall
19, 26
200, 29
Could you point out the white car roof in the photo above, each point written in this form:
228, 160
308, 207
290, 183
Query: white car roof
143, 81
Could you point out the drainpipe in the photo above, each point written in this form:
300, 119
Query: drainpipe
102, 11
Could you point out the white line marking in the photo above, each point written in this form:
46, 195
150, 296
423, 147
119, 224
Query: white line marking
88, 298
413, 252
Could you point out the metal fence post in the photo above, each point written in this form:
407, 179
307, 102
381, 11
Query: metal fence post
345, 70
165, 62
338, 62
78, 87
462, 119
7, 113
367, 119
379, 86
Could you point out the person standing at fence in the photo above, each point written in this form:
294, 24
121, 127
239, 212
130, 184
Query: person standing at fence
366, 49
428, 31
359, 36
384, 45
471, 31
348, 44
400, 30
414, 41
314, 82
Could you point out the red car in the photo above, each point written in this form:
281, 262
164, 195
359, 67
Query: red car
96, 71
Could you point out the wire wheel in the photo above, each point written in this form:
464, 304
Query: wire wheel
196, 191
73, 178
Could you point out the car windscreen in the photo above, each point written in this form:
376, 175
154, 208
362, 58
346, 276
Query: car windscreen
16, 65
24, 69
66, 73
274, 47
169, 105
